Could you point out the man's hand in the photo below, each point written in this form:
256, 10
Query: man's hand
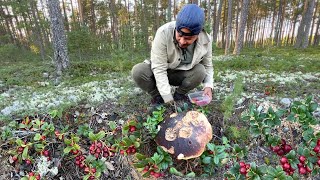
208, 92
171, 105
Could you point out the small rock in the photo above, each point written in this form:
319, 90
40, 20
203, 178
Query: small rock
285, 129
286, 102
45, 75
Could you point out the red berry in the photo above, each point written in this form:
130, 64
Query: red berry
243, 170
247, 166
92, 148
31, 174
38, 177
20, 149
280, 152
75, 152
286, 166
242, 164
283, 160
14, 158
46, 153
316, 149
98, 150
128, 151
308, 169
302, 170
105, 149
318, 162
28, 161
156, 175
300, 165
91, 177
93, 170
318, 142
283, 142
132, 128
43, 138
302, 159
86, 170
99, 144
287, 148
276, 149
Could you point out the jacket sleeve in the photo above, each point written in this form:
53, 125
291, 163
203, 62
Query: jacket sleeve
159, 64
207, 62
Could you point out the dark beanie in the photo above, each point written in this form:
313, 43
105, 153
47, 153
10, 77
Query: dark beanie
191, 16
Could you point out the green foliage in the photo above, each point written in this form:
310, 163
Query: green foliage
276, 59
236, 133
82, 41
216, 156
154, 120
229, 102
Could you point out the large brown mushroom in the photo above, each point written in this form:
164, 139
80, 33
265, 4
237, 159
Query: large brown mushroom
184, 135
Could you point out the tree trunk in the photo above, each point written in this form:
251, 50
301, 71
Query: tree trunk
58, 37
304, 28
114, 23
317, 33
313, 24
37, 31
92, 18
80, 12
66, 23
169, 8
273, 20
223, 39
278, 23
217, 23
243, 22
229, 28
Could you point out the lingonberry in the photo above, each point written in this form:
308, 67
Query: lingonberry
302, 159
243, 170
316, 149
302, 170
286, 166
283, 160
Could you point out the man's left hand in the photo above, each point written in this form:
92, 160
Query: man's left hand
208, 92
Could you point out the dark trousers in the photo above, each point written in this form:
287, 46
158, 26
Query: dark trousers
185, 80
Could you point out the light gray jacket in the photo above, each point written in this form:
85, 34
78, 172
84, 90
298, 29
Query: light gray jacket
166, 54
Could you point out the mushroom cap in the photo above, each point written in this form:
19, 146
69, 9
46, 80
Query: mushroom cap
185, 135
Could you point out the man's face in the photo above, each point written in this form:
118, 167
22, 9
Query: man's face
185, 41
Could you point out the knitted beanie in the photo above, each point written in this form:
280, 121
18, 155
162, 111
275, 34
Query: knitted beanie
191, 16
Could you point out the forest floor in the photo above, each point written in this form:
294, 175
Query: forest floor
117, 99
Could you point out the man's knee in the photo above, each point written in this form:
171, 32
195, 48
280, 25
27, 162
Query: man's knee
200, 71
141, 71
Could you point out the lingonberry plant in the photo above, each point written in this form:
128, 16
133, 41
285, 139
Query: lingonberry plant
301, 159
34, 138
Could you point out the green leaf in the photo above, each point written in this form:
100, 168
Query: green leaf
25, 153
37, 137
67, 149
112, 125
140, 156
19, 142
91, 136
175, 171
206, 160
210, 146
100, 135
191, 175
216, 160
313, 107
